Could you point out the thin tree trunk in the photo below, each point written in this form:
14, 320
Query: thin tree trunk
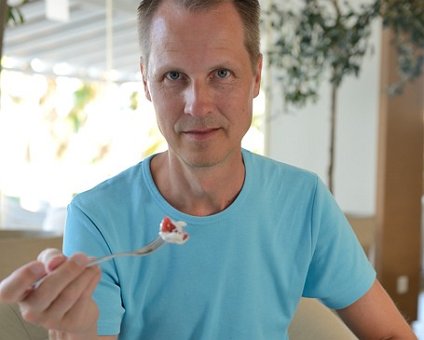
3, 18
333, 123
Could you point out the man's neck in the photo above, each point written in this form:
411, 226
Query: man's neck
198, 191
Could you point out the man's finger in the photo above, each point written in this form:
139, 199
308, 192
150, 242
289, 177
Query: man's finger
52, 258
54, 283
15, 287
47, 254
72, 295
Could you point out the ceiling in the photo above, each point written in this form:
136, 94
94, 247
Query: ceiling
77, 47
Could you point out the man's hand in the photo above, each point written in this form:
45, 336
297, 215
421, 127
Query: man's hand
62, 301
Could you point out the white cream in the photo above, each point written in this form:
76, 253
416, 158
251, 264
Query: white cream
178, 235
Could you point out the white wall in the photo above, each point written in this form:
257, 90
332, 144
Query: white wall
301, 137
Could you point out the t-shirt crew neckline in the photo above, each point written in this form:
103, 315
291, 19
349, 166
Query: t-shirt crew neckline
234, 208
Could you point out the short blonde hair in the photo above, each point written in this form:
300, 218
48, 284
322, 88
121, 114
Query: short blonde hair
249, 11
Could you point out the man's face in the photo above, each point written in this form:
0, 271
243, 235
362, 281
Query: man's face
201, 82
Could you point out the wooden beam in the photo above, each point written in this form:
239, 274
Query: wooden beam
399, 186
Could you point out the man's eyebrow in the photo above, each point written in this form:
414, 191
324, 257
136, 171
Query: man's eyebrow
225, 65
166, 67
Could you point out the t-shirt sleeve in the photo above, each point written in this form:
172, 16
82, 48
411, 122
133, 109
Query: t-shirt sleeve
82, 235
340, 272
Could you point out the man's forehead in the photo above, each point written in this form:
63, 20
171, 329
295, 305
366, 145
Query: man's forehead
181, 39
171, 16
169, 9
182, 34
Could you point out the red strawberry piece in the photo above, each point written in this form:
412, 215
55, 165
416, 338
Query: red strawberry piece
167, 226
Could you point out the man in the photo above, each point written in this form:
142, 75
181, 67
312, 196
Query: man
262, 233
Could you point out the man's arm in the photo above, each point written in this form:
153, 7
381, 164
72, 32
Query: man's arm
375, 316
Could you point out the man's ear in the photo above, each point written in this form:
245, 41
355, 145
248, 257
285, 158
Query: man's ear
258, 75
143, 71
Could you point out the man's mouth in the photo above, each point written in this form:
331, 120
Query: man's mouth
201, 134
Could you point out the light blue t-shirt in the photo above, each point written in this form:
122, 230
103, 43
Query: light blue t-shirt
243, 270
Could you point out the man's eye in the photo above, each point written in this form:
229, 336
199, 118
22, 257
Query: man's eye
173, 75
222, 73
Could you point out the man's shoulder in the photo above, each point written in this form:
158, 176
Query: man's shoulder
272, 168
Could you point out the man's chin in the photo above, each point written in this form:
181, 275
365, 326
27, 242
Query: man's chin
205, 159
201, 162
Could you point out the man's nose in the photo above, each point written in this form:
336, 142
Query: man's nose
198, 99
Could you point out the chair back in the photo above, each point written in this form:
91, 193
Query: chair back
18, 247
